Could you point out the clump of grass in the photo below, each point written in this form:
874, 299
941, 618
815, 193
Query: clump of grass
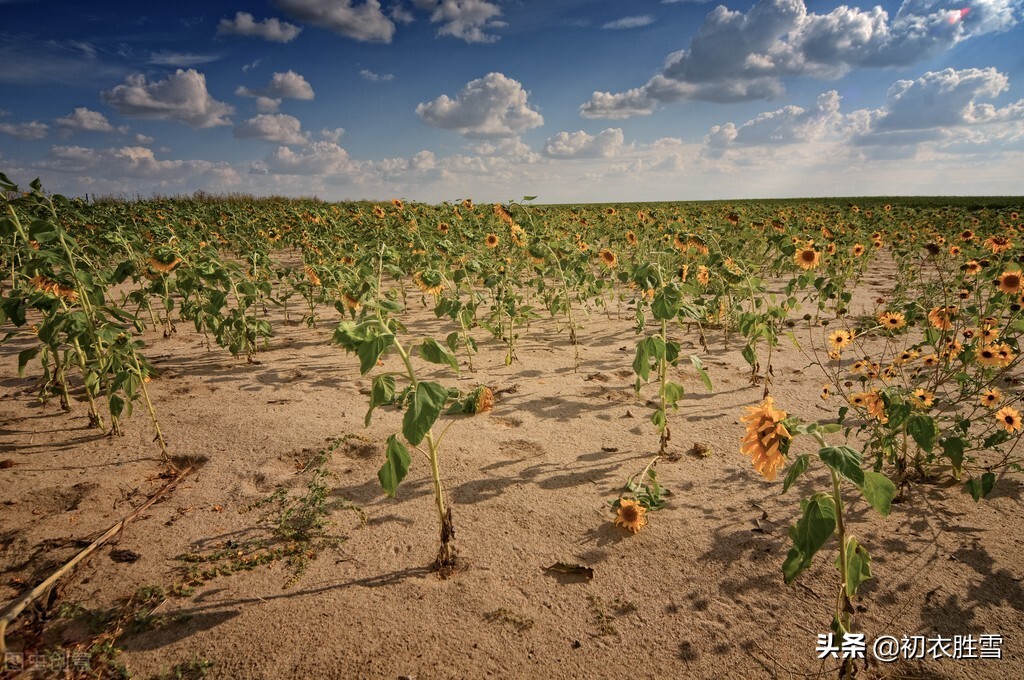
297, 526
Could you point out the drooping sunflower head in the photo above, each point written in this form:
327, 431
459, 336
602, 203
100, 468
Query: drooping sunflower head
942, 317
608, 258
767, 439
630, 515
378, 212
430, 281
518, 235
444, 227
631, 239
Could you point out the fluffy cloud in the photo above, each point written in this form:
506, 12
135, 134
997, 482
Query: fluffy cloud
788, 125
270, 29
630, 22
492, 106
606, 144
467, 20
26, 131
287, 85
135, 169
319, 158
279, 128
182, 97
332, 135
940, 105
84, 119
513, 149
738, 56
365, 22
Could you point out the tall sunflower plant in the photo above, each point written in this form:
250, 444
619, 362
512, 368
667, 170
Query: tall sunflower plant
374, 335
767, 441
656, 354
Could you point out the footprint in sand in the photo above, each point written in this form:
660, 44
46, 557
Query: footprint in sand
522, 447
506, 421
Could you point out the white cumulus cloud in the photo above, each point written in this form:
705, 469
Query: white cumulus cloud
26, 131
364, 21
492, 106
606, 144
271, 29
321, 158
85, 119
287, 85
739, 56
279, 128
468, 20
181, 97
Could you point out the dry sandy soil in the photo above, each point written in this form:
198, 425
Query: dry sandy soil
697, 593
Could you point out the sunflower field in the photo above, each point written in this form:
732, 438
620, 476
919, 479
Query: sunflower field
513, 438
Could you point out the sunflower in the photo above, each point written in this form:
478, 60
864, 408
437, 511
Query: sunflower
163, 267
1009, 418
583, 246
378, 212
922, 398
995, 355
942, 317
826, 392
954, 250
467, 204
703, 275
998, 244
966, 235
767, 439
312, 276
991, 398
807, 257
492, 241
502, 214
429, 281
858, 249
930, 360
972, 268
397, 202
630, 515
892, 320
444, 227
840, 339
905, 356
871, 402
631, 239
1010, 282
350, 302
518, 235
45, 285
608, 258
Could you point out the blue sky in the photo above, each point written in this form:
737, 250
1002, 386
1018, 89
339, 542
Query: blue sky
569, 100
